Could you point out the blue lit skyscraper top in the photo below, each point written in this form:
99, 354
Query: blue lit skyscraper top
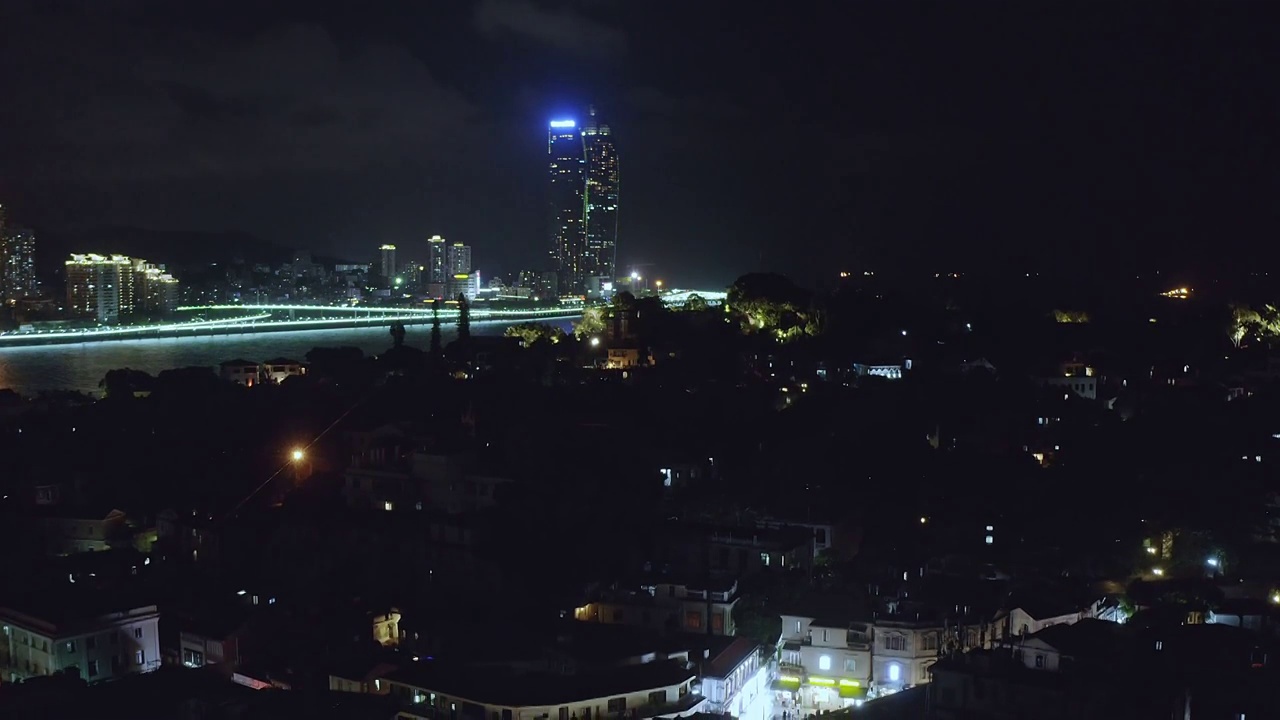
582, 204
565, 209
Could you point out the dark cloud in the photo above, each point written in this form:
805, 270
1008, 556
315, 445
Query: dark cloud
563, 28
284, 101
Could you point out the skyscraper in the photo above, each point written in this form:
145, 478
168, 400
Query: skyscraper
436, 270
583, 204
565, 205
601, 204
17, 264
388, 263
459, 259
99, 286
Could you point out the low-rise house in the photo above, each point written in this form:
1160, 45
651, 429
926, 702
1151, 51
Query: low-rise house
660, 689
904, 649
94, 640
67, 530
704, 607
1094, 669
240, 372
277, 370
734, 681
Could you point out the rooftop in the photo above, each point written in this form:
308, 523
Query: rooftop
511, 689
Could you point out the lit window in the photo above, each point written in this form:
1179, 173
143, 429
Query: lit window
895, 672
824, 662
388, 505
989, 540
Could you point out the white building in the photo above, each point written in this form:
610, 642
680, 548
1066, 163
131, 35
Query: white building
735, 682
277, 370
826, 662
660, 689
97, 648
903, 652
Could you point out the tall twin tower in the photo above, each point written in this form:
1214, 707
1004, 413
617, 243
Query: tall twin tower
583, 205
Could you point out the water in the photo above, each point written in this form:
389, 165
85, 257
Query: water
28, 370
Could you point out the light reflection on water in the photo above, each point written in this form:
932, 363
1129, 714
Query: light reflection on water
28, 370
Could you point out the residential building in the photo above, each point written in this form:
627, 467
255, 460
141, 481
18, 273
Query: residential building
826, 662
658, 689
17, 263
1095, 669
72, 530
387, 265
240, 372
99, 286
277, 370
155, 291
437, 271
213, 638
904, 649
106, 287
52, 637
662, 604
701, 551
1032, 617
735, 681
458, 260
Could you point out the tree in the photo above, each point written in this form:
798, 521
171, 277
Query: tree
397, 334
531, 332
464, 321
591, 324
1070, 316
770, 303
125, 382
1245, 321
695, 303
435, 329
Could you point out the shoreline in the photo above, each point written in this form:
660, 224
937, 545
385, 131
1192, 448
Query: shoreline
243, 328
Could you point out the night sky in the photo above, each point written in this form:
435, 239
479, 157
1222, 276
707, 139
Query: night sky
801, 137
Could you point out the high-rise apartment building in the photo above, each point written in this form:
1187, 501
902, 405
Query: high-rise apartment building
17, 264
582, 204
388, 267
99, 286
105, 287
601, 205
565, 209
437, 272
458, 259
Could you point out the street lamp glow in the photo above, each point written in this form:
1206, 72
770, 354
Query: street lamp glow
298, 454
658, 283
1158, 572
924, 520
595, 342
1213, 562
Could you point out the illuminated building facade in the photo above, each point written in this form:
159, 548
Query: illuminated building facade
465, 284
601, 204
17, 264
566, 208
388, 266
458, 260
582, 204
104, 287
436, 271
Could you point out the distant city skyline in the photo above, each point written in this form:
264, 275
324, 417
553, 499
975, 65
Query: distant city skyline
842, 150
